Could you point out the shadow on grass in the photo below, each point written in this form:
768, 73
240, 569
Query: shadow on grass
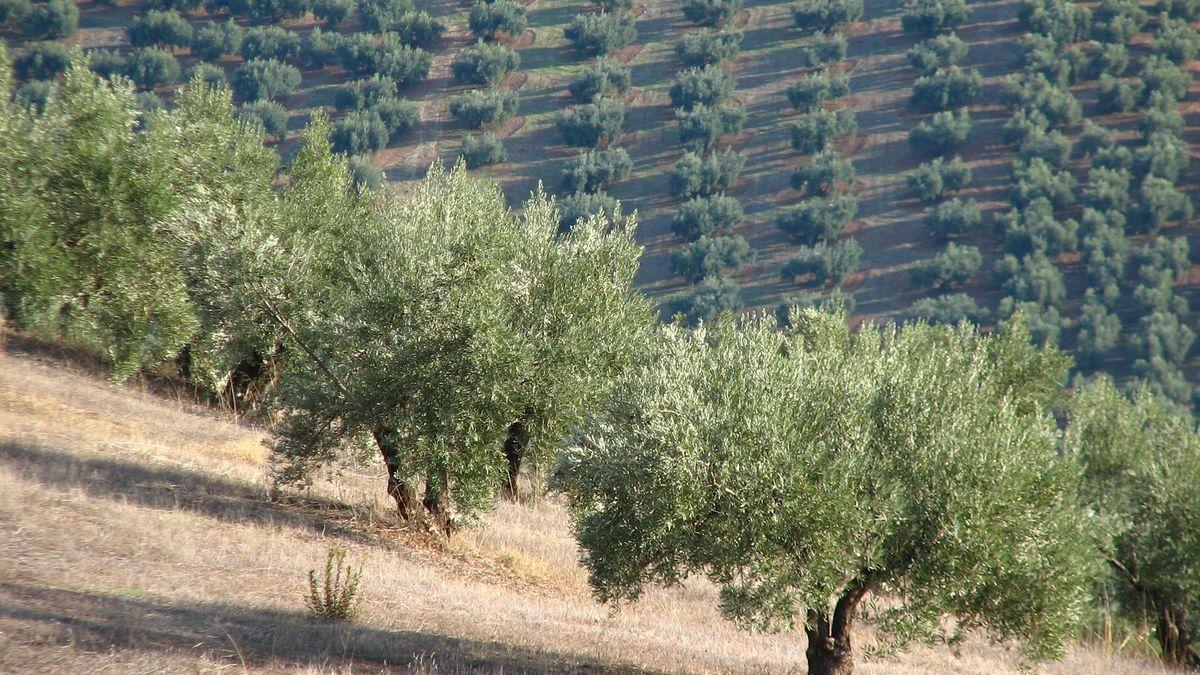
256, 638
171, 488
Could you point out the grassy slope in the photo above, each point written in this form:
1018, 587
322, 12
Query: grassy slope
137, 535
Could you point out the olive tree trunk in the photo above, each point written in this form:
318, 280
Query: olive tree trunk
1173, 636
514, 452
400, 489
829, 649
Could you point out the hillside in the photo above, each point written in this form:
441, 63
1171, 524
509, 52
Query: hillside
1122, 330
140, 536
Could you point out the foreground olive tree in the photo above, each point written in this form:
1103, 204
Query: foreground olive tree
804, 471
1140, 461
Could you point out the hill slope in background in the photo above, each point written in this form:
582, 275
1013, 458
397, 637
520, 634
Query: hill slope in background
139, 534
890, 222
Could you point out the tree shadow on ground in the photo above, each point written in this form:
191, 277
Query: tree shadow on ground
256, 638
172, 488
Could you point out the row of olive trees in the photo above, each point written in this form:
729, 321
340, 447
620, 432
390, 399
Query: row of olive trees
496, 26
815, 223
445, 334
702, 94
596, 123
457, 342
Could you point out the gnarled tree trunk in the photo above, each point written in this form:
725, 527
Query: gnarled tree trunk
400, 489
514, 451
437, 503
1174, 639
829, 649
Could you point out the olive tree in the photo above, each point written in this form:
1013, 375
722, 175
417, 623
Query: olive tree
265, 78
702, 127
802, 471
596, 170
951, 267
485, 64
815, 88
605, 76
827, 264
815, 220
711, 12
488, 20
824, 15
601, 33
704, 174
593, 124
934, 178
707, 86
930, 17
701, 48
711, 256
823, 173
929, 55
942, 133
160, 29
700, 216
482, 150
478, 108
1139, 458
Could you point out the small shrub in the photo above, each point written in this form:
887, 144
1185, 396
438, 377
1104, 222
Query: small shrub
483, 150
335, 596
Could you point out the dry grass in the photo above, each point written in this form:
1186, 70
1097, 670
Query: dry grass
138, 536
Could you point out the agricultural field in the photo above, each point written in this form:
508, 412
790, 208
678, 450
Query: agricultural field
1038, 203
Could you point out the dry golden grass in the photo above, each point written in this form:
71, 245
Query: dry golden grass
138, 535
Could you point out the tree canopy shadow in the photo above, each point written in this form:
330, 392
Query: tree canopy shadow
255, 637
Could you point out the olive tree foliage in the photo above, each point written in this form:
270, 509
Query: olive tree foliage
708, 86
934, 178
604, 77
1139, 458
596, 170
697, 49
955, 216
264, 79
817, 130
938, 52
945, 89
823, 173
160, 29
583, 205
44, 61
827, 264
951, 267
711, 12
702, 127
952, 308
824, 15
51, 20
485, 64
216, 39
1064, 21
815, 88
815, 220
942, 133
498, 334
711, 256
930, 17
483, 107
704, 174
482, 150
593, 124
701, 216
601, 33
489, 20
805, 470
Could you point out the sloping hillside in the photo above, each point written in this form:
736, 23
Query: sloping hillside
139, 535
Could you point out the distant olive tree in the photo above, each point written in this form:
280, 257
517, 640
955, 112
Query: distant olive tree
601, 33
605, 76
